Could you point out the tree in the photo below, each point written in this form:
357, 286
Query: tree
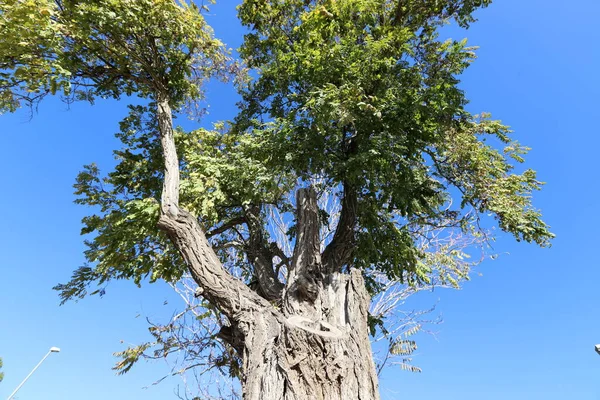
1, 373
357, 99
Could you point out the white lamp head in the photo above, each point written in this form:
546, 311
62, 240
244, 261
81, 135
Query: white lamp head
54, 350
598, 348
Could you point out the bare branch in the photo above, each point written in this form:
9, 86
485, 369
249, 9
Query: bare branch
225, 226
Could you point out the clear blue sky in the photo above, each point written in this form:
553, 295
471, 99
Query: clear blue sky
524, 330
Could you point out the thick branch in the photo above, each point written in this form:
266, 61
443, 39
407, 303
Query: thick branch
220, 288
170, 192
339, 251
306, 270
260, 255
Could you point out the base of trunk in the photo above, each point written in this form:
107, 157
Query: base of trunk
303, 358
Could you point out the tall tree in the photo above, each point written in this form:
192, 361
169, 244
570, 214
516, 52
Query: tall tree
357, 97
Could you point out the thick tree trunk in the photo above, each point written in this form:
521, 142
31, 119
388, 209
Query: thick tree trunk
306, 341
304, 359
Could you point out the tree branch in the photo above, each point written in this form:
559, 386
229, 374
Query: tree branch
170, 192
227, 225
260, 255
339, 251
398, 13
277, 252
220, 288
306, 271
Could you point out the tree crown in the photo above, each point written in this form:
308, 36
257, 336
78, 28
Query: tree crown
355, 98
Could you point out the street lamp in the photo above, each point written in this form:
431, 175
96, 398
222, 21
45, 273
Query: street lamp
598, 348
52, 350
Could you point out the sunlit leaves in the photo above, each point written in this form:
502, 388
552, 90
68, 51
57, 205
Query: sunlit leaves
129, 357
107, 48
29, 53
355, 94
486, 177
365, 93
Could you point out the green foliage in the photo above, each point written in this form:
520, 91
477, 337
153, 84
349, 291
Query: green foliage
485, 177
359, 93
129, 357
1, 373
126, 242
404, 347
364, 93
107, 48
29, 53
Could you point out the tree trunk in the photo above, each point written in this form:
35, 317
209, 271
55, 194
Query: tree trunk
310, 344
300, 359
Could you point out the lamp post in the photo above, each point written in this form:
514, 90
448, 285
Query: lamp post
598, 348
52, 350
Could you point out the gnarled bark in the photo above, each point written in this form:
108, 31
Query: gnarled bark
303, 359
322, 348
227, 293
305, 275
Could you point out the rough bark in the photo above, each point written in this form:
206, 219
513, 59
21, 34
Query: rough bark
305, 277
304, 359
230, 295
315, 347
170, 192
322, 350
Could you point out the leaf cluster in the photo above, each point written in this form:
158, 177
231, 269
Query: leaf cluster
105, 48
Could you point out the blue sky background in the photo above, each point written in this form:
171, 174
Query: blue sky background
525, 329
